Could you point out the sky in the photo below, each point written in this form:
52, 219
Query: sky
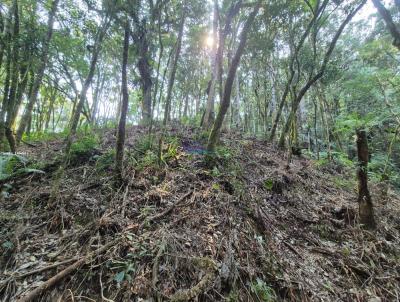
365, 12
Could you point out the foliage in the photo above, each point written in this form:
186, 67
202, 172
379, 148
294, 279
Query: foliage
85, 145
262, 291
13, 165
105, 161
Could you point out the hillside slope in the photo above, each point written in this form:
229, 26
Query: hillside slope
250, 229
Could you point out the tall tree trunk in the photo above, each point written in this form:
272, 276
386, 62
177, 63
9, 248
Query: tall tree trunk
12, 98
2, 42
225, 102
209, 113
7, 80
52, 100
96, 97
119, 158
173, 69
38, 78
364, 198
141, 41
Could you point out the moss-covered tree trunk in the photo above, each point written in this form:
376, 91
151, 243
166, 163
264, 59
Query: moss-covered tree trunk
364, 198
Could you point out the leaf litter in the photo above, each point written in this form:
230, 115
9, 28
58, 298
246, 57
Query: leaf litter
250, 229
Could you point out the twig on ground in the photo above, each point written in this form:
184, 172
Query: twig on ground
32, 295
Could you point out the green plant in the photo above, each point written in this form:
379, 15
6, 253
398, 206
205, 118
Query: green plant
85, 145
105, 161
13, 164
262, 291
144, 144
343, 183
172, 151
233, 296
269, 184
224, 153
126, 268
45, 136
216, 186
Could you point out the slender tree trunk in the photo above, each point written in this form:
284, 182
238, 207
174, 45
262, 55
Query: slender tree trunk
141, 41
225, 102
119, 158
7, 80
38, 78
209, 113
12, 98
96, 97
173, 69
364, 197
157, 85
2, 42
50, 109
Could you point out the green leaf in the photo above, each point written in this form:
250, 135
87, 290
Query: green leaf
119, 277
268, 184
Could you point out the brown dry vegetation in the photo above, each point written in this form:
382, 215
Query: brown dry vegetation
251, 229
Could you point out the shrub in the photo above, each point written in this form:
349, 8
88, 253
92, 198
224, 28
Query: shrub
84, 149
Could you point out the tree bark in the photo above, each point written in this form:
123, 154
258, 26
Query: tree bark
366, 210
38, 78
12, 98
7, 80
119, 158
144, 67
225, 102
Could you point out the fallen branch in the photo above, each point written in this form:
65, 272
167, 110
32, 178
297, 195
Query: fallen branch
39, 270
32, 295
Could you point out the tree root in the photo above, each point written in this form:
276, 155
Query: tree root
188, 294
32, 295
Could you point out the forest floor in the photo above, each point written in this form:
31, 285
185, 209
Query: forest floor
250, 229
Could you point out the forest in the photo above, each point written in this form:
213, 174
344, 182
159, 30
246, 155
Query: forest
187, 150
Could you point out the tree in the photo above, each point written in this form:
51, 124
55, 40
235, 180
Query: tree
387, 17
27, 116
314, 78
364, 197
225, 102
119, 157
174, 67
